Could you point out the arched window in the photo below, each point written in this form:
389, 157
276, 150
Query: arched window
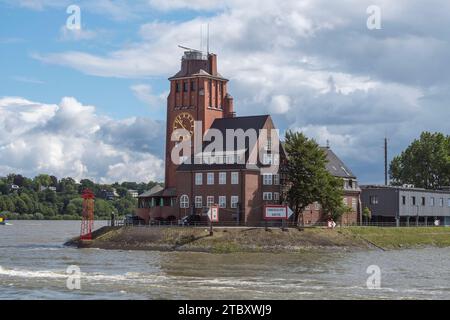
184, 201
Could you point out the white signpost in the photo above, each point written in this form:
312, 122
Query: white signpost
213, 215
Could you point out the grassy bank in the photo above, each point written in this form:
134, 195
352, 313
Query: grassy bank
226, 240
394, 238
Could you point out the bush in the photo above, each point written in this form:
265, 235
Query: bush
38, 216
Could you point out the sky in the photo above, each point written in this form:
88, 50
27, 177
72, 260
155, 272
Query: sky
91, 102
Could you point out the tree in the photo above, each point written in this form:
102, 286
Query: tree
425, 163
307, 177
367, 214
331, 195
42, 180
68, 185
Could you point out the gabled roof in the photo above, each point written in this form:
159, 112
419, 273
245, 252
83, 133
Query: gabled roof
235, 123
244, 123
151, 192
335, 165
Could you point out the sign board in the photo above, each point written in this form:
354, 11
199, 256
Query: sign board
274, 212
277, 212
213, 214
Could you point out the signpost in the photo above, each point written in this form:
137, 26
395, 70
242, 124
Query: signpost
277, 212
213, 215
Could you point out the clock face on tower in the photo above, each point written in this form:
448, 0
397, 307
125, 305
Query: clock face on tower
184, 121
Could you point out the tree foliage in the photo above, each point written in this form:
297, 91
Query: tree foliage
308, 179
35, 198
425, 163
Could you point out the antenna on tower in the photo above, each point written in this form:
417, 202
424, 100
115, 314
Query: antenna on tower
201, 37
207, 41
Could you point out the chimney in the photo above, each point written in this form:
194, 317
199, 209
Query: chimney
229, 106
212, 59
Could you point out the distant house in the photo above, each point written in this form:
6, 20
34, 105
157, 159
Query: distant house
313, 213
406, 204
110, 194
133, 193
14, 187
43, 188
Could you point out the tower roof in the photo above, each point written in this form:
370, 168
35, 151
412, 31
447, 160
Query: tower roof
196, 63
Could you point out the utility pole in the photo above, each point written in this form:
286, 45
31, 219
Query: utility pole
386, 161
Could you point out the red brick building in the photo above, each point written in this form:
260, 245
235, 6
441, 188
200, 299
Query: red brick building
225, 178
199, 93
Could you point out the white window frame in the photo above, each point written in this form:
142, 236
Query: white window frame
198, 179
222, 178
222, 201
276, 196
210, 178
198, 202
184, 201
276, 179
267, 179
234, 201
267, 196
209, 201
235, 178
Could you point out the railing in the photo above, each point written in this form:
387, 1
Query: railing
262, 224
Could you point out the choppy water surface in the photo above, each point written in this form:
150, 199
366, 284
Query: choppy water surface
33, 265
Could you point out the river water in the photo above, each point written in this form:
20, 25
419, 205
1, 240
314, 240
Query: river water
33, 265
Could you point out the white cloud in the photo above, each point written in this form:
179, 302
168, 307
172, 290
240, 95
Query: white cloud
77, 34
144, 93
71, 139
280, 104
314, 65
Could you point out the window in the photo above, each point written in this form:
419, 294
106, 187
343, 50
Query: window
267, 179
198, 179
373, 199
441, 202
423, 201
185, 86
267, 196
222, 201
448, 202
267, 159
184, 201
316, 206
413, 200
350, 184
193, 88
210, 201
354, 204
404, 200
344, 201
269, 144
276, 196
177, 87
432, 201
235, 178
210, 178
199, 202
234, 201
222, 178
276, 179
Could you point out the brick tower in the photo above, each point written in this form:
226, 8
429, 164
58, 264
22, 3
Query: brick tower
197, 93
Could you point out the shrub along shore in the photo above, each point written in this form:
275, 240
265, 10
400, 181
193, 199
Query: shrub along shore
227, 240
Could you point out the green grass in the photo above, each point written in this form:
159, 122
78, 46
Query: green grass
390, 238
